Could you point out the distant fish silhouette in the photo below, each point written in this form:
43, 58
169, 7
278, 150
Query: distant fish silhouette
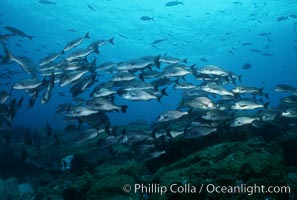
264, 34
231, 52
147, 18
47, 2
174, 3
91, 8
18, 32
72, 30
123, 36
203, 59
237, 2
246, 43
293, 16
158, 41
282, 18
255, 50
267, 54
247, 66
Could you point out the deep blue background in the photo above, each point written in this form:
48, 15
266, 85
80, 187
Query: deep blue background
197, 29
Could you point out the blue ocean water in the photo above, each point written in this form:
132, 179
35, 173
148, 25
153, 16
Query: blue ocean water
214, 30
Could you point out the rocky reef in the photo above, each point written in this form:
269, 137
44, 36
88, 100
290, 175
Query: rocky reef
245, 157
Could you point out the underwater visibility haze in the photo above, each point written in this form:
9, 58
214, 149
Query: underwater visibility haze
95, 95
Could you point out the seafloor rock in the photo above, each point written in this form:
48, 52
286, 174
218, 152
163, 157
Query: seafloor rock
110, 178
9, 189
26, 192
289, 146
246, 161
11, 164
228, 164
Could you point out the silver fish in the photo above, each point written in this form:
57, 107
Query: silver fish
202, 103
100, 43
212, 70
105, 66
248, 105
184, 86
290, 99
136, 64
105, 105
137, 95
82, 53
284, 88
50, 58
26, 63
72, 76
4, 97
176, 70
27, 84
152, 155
290, 112
102, 92
123, 76
149, 74
76, 42
171, 60
135, 84
215, 115
78, 111
198, 131
240, 121
215, 89
170, 115
18, 32
269, 115
47, 94
89, 134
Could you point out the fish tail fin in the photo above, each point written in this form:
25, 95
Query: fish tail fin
94, 62
87, 35
124, 108
157, 61
96, 49
8, 56
111, 40
159, 98
266, 95
168, 133
190, 111
194, 71
163, 91
185, 60
153, 134
107, 129
261, 90
30, 37
20, 102
239, 78
141, 77
266, 105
